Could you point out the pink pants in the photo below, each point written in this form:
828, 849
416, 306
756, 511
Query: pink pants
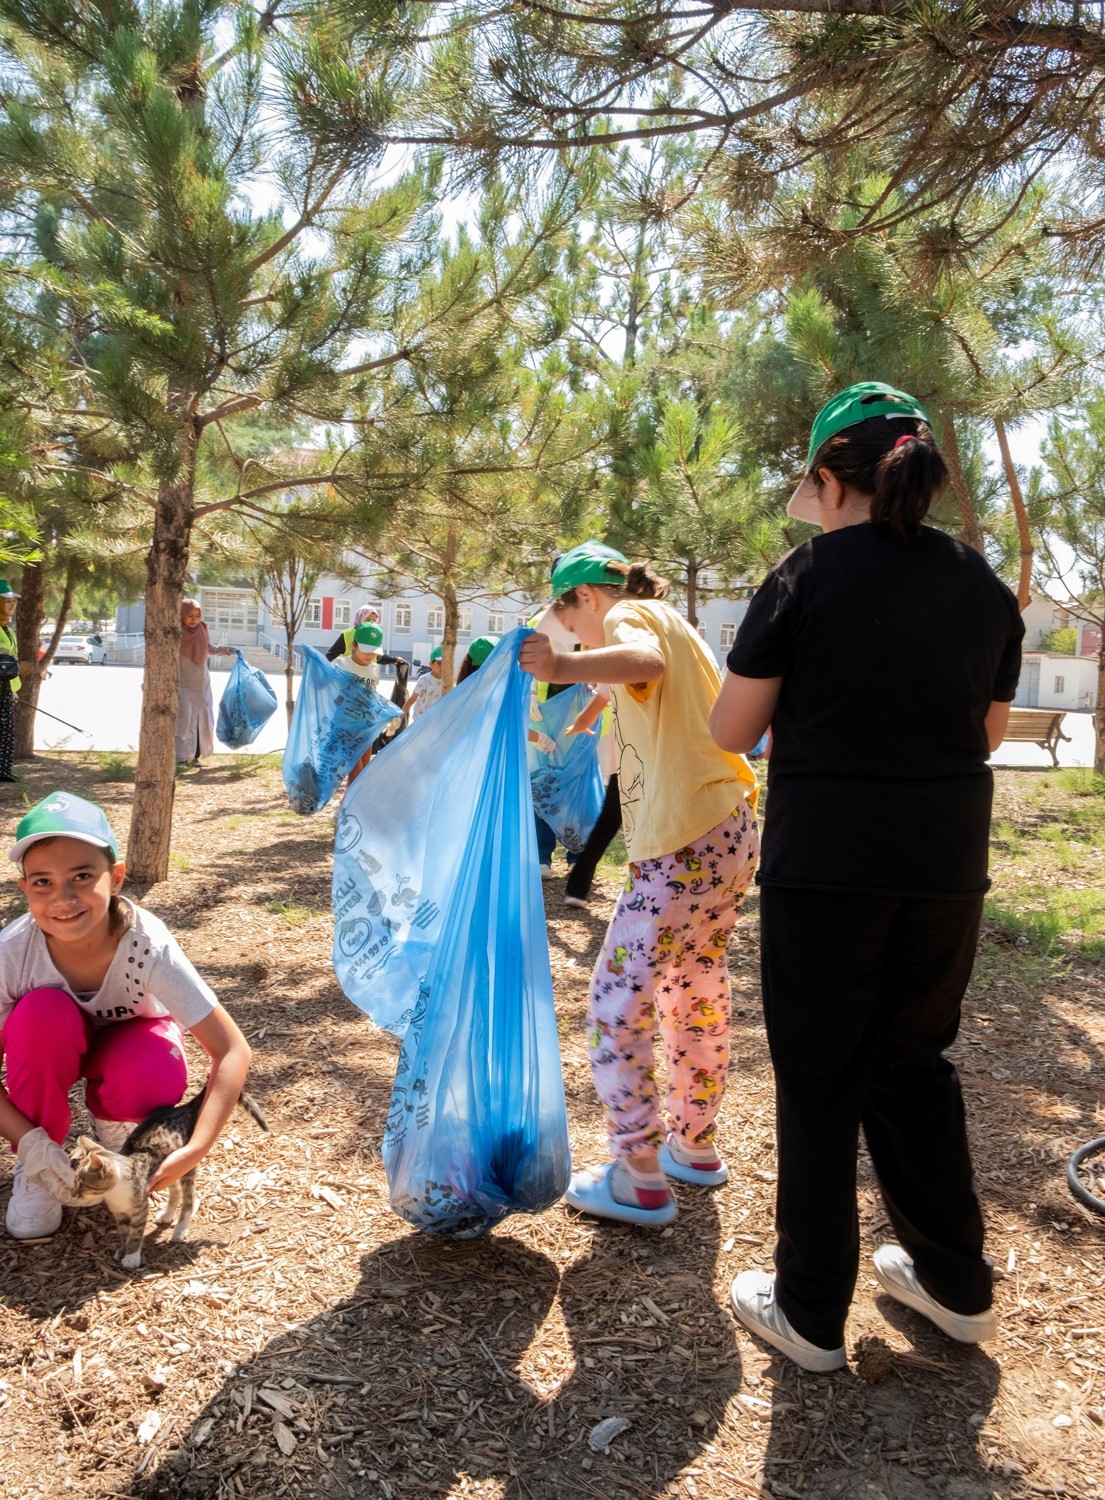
664, 962
131, 1067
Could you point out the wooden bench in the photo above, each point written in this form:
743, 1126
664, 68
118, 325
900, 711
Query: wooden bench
1036, 726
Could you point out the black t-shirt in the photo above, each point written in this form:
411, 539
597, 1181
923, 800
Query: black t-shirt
891, 653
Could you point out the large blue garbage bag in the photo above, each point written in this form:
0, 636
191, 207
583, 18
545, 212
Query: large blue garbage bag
439, 935
335, 719
247, 705
567, 785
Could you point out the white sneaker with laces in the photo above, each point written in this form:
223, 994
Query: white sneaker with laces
112, 1133
897, 1275
33, 1213
753, 1299
546, 871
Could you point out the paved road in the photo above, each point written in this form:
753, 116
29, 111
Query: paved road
107, 703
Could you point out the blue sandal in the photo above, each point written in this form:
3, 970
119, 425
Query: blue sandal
591, 1191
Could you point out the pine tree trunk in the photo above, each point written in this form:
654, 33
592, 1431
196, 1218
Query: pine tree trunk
452, 615
166, 569
29, 615
289, 670
1024, 576
1099, 713
972, 531
692, 593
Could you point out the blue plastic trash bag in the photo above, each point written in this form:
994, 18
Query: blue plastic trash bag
247, 705
567, 785
335, 719
439, 935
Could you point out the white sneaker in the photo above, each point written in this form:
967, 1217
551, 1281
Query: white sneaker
33, 1213
546, 871
575, 901
896, 1273
112, 1133
753, 1297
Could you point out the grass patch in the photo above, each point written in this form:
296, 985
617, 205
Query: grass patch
294, 915
178, 861
116, 767
240, 820
614, 861
253, 765
1057, 921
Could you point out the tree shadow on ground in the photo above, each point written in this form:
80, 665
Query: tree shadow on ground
479, 1359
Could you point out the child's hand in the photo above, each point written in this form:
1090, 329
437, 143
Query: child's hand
537, 655
578, 729
175, 1166
545, 743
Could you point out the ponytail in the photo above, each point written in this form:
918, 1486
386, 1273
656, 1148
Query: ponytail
641, 580
896, 462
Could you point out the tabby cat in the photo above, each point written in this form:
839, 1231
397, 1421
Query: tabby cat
120, 1179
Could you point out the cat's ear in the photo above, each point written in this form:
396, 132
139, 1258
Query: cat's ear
86, 1143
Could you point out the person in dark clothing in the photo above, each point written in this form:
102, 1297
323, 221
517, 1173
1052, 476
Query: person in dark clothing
883, 654
9, 684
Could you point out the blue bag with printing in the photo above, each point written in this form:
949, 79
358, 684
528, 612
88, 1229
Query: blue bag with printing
567, 785
246, 707
335, 720
439, 936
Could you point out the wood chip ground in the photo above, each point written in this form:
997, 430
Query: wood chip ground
304, 1342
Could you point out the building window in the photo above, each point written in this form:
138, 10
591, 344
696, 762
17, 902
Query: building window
701, 628
465, 627
1060, 684
313, 618
728, 635
230, 609
403, 618
341, 613
435, 620
496, 622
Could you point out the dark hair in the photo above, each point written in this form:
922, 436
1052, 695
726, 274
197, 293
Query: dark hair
635, 580
467, 667
116, 911
902, 478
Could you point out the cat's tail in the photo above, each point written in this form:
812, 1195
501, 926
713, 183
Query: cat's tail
252, 1108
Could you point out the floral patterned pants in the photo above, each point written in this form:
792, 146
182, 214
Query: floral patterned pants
664, 961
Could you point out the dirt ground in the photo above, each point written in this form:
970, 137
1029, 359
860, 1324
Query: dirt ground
304, 1342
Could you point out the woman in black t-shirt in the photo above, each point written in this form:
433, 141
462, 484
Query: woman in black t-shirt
884, 655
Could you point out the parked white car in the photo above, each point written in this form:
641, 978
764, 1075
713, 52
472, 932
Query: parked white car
98, 645
74, 648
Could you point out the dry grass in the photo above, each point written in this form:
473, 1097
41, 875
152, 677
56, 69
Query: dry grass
305, 1343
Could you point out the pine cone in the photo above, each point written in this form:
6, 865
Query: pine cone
873, 1359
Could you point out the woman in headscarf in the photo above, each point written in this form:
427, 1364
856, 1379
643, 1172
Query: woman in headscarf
195, 720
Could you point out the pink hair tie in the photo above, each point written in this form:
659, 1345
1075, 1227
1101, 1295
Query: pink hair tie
906, 437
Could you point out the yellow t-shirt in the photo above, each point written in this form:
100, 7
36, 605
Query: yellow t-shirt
675, 783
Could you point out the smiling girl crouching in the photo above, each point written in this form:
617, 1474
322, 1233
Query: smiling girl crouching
94, 987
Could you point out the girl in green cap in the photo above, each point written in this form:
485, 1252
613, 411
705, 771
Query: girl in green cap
690, 831
883, 654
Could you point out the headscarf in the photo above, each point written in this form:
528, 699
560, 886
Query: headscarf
367, 612
194, 643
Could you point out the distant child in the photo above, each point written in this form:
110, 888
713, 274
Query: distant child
363, 661
690, 831
477, 653
427, 689
94, 987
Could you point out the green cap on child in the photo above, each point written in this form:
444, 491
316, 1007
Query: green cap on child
62, 815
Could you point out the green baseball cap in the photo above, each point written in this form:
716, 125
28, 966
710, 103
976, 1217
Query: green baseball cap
368, 635
6, 590
436, 654
63, 815
587, 563
868, 399
481, 648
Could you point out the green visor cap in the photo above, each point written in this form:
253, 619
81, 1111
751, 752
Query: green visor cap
436, 654
368, 635
868, 399
481, 648
587, 563
62, 815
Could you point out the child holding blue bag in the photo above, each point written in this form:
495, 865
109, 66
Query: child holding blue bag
688, 811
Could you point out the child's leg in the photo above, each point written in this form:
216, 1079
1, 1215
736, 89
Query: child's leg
704, 893
134, 1067
45, 1040
622, 1019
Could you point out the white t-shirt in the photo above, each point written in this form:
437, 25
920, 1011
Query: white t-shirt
428, 689
149, 975
368, 671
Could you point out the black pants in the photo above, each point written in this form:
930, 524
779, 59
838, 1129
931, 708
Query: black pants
862, 995
602, 836
7, 729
